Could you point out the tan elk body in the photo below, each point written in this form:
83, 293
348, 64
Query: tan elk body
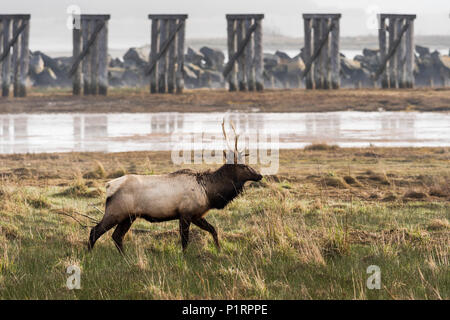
185, 195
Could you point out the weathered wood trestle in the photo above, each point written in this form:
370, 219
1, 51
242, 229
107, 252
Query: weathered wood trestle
14, 52
167, 52
321, 51
90, 54
397, 52
244, 70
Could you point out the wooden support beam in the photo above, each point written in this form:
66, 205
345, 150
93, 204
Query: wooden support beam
6, 57
392, 61
410, 48
15, 16
307, 51
250, 75
395, 15
240, 56
231, 43
15, 57
322, 16
95, 25
400, 54
76, 51
1, 48
167, 16
315, 58
258, 59
103, 60
383, 50
102, 17
85, 57
162, 57
325, 53
245, 16
171, 57
180, 55
335, 55
153, 55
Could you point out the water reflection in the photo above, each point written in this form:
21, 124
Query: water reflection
132, 132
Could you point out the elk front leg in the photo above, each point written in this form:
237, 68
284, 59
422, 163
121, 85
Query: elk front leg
184, 232
205, 225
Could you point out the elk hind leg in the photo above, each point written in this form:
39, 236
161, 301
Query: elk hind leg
120, 231
184, 232
205, 225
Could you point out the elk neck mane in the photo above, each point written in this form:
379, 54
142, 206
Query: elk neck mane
220, 186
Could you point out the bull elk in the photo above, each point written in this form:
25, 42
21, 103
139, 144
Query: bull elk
184, 195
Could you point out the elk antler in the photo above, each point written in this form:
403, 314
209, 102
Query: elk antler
225, 134
236, 152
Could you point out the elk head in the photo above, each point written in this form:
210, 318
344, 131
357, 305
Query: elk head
236, 164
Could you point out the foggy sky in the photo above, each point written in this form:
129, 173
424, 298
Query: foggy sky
129, 25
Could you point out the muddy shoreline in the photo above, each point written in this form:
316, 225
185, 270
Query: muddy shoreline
292, 100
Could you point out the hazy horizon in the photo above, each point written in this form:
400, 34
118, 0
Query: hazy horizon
130, 27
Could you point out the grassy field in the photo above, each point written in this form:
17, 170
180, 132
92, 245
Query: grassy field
310, 232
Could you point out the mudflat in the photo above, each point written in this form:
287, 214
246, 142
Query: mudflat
199, 100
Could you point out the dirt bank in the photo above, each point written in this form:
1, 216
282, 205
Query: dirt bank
121, 100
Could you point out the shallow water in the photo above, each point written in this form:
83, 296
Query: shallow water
34, 133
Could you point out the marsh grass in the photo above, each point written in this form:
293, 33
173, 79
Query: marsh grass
290, 237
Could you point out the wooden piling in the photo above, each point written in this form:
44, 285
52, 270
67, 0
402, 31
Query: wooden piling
241, 60
307, 51
171, 59
180, 56
162, 68
325, 54
153, 54
94, 60
258, 55
1, 48
76, 51
393, 60
317, 35
15, 58
409, 55
383, 50
86, 64
335, 55
400, 55
24, 59
231, 43
249, 74
7, 60
103, 60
